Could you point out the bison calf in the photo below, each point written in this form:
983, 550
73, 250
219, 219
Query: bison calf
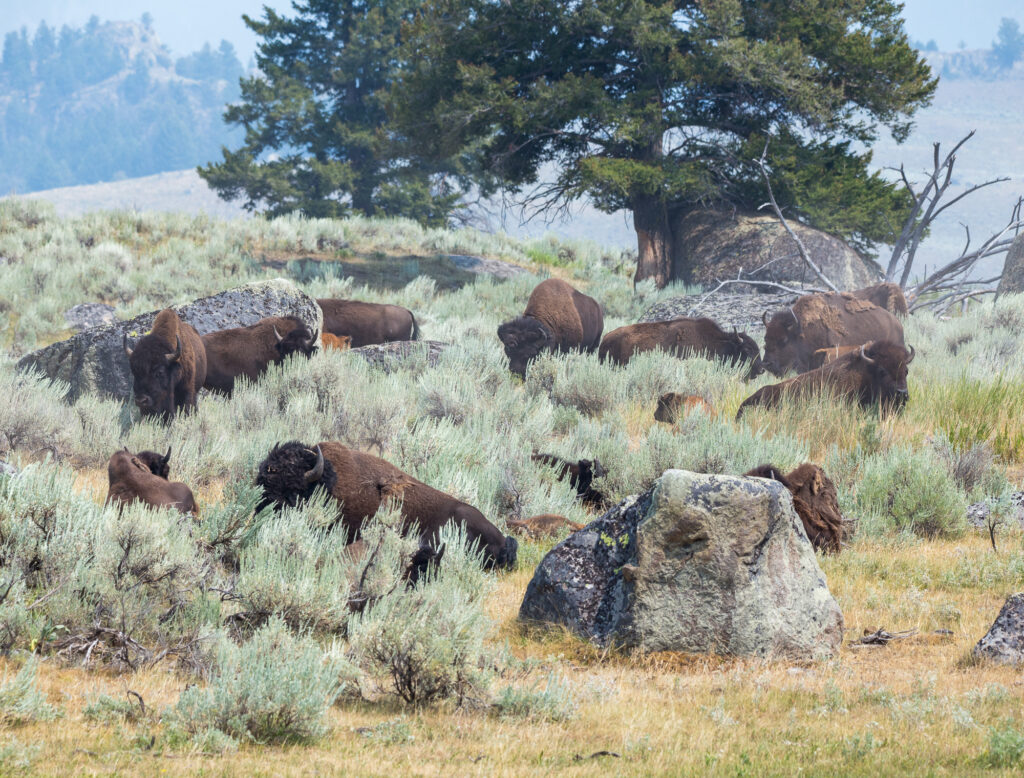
336, 342
557, 317
581, 476
368, 323
248, 351
168, 366
131, 479
545, 525
673, 404
681, 337
815, 500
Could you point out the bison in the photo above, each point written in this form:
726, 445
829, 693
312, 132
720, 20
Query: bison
336, 342
581, 476
247, 351
815, 500
362, 483
825, 355
557, 317
368, 323
131, 479
546, 525
874, 373
672, 404
888, 296
158, 464
682, 337
168, 366
818, 321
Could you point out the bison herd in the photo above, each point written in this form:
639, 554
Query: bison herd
849, 343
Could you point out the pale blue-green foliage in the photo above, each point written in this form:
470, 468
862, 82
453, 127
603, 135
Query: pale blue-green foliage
21, 701
551, 702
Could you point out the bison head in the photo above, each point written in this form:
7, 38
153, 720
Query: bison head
505, 559
155, 368
809, 483
886, 364
158, 464
743, 348
782, 343
299, 340
291, 473
524, 338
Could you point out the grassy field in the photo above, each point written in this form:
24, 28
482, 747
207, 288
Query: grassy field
166, 609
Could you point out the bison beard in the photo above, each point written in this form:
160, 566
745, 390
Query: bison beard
815, 501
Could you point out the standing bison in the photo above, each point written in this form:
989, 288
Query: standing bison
815, 500
368, 323
557, 317
682, 337
247, 351
874, 373
131, 479
362, 483
888, 296
168, 366
820, 321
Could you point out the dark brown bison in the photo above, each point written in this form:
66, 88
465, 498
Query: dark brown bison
368, 323
544, 526
874, 373
168, 366
818, 321
682, 337
887, 296
581, 476
361, 483
672, 405
131, 479
815, 500
247, 351
557, 317
336, 342
158, 464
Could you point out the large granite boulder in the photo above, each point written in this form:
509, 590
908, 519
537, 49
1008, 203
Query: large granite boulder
1004, 642
86, 315
402, 354
1013, 269
700, 563
714, 245
729, 309
94, 360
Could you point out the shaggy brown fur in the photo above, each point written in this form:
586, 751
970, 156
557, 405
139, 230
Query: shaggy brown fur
130, 480
168, 366
825, 355
248, 351
336, 342
816, 502
887, 296
581, 476
681, 337
546, 525
672, 406
557, 317
821, 321
368, 323
361, 483
875, 373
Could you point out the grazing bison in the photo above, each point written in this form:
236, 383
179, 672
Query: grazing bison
545, 525
361, 483
815, 500
818, 321
682, 337
557, 317
131, 479
888, 296
581, 476
168, 366
336, 342
673, 404
368, 323
874, 373
247, 351
158, 464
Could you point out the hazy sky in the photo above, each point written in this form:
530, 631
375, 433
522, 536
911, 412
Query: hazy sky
184, 25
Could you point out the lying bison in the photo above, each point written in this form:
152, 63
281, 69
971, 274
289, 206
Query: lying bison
888, 296
168, 366
581, 476
368, 323
158, 464
557, 317
819, 321
362, 483
672, 405
546, 525
130, 479
336, 342
248, 351
681, 337
875, 373
815, 500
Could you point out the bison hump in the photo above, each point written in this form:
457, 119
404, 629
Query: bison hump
853, 305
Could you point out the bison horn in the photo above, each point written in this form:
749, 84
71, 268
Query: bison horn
912, 353
167, 456
796, 319
176, 356
127, 349
277, 334
764, 318
864, 356
314, 475
312, 338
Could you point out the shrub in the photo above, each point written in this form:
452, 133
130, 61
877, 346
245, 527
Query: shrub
1005, 747
553, 702
970, 466
21, 701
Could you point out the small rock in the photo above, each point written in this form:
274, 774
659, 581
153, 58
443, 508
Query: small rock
490, 267
7, 468
86, 315
1004, 642
978, 513
390, 356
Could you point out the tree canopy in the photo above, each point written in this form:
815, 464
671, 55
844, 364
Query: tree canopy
660, 107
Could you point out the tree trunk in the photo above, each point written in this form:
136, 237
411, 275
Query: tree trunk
654, 239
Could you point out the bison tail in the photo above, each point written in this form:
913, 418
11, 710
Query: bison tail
415, 327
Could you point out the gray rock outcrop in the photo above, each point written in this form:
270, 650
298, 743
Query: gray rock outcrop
94, 361
1004, 642
401, 353
482, 266
1013, 269
87, 315
701, 563
714, 245
743, 311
